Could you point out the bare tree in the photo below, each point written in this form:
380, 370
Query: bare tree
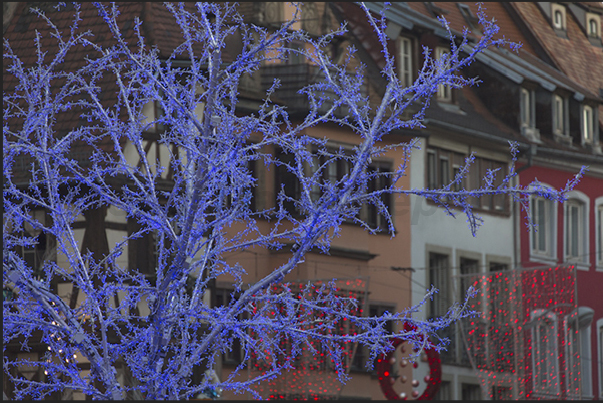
193, 215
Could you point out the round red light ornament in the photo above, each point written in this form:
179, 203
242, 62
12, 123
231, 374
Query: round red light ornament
433, 380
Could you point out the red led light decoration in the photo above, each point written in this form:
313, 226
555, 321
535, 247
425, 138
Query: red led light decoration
387, 379
524, 345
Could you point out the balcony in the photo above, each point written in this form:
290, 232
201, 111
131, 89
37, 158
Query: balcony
525, 336
294, 77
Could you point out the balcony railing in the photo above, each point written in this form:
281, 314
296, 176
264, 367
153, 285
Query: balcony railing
523, 337
294, 77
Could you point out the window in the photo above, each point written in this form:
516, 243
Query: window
587, 125
294, 56
576, 228
376, 218
559, 115
502, 393
545, 368
444, 90
527, 115
574, 212
432, 170
593, 25
35, 255
224, 297
469, 268
500, 332
331, 174
470, 391
405, 62
443, 167
558, 12
542, 235
362, 352
439, 276
579, 363
586, 369
288, 181
527, 108
572, 357
445, 391
142, 251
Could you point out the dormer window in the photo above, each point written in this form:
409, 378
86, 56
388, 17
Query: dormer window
559, 115
527, 115
587, 125
527, 109
558, 14
444, 91
593, 25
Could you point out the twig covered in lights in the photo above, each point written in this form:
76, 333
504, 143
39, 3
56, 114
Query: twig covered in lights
196, 215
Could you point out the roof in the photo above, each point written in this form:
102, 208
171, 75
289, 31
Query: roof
575, 55
523, 66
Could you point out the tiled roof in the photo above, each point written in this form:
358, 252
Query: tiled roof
496, 10
575, 56
526, 65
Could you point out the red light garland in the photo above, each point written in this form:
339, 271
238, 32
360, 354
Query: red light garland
314, 376
524, 344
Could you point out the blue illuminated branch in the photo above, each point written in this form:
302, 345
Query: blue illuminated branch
195, 217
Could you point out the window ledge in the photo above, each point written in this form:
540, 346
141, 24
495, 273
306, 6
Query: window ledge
542, 259
531, 133
565, 139
599, 267
584, 266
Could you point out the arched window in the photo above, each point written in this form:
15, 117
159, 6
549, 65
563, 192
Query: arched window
544, 351
558, 12
592, 28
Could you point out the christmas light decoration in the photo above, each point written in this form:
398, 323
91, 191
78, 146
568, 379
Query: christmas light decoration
387, 377
524, 345
313, 373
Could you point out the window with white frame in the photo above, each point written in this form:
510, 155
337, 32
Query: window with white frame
558, 16
586, 362
593, 25
576, 227
587, 125
444, 91
545, 365
559, 115
572, 357
405, 61
527, 110
542, 234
